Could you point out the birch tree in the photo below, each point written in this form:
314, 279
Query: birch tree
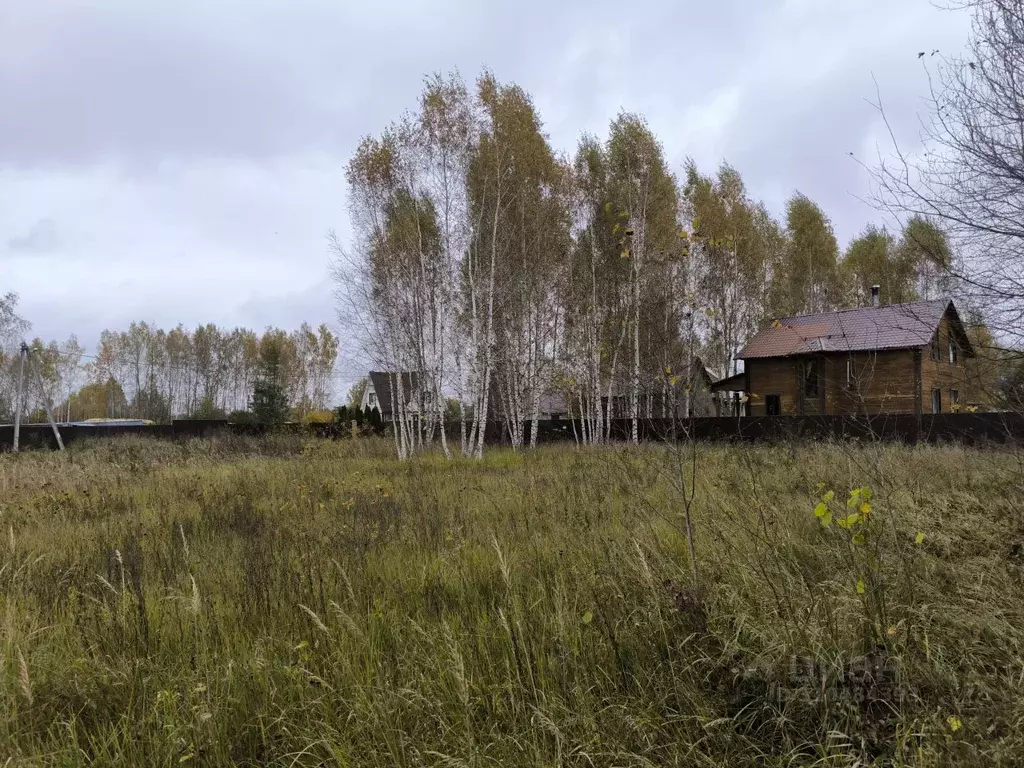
807, 279
736, 248
596, 293
518, 186
968, 178
394, 281
489, 194
447, 133
644, 191
12, 325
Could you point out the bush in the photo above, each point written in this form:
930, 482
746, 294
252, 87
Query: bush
241, 417
319, 417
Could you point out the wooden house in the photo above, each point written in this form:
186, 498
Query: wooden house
381, 390
901, 358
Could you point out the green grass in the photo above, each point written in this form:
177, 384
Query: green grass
274, 603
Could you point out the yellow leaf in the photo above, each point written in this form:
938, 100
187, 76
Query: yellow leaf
820, 510
861, 586
673, 380
955, 723
859, 539
829, 495
850, 521
865, 508
919, 539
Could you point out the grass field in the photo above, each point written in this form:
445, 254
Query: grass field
274, 603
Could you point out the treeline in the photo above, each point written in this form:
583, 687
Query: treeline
151, 373
504, 271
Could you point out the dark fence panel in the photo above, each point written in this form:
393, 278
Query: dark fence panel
199, 427
966, 428
969, 428
41, 435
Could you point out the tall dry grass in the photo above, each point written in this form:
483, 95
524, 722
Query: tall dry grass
281, 603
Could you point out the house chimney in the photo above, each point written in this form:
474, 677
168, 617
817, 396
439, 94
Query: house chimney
874, 295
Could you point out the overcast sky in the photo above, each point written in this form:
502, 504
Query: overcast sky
183, 161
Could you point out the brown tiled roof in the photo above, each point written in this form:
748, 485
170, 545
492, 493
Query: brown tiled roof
895, 326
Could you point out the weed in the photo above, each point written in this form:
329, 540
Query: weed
286, 602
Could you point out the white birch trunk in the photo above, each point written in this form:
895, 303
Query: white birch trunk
489, 343
399, 443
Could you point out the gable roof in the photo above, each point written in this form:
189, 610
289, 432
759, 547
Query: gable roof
699, 369
381, 381
894, 326
735, 383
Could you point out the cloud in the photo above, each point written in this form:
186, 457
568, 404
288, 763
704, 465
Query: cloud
42, 237
290, 309
183, 162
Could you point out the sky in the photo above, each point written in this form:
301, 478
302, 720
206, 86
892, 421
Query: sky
184, 162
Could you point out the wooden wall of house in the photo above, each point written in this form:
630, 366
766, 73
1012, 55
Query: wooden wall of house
883, 382
772, 376
941, 374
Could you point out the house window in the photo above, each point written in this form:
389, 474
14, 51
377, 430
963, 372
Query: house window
372, 398
811, 378
772, 405
936, 401
851, 374
954, 353
935, 347
954, 399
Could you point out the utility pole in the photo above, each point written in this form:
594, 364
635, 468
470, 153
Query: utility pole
18, 401
42, 390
